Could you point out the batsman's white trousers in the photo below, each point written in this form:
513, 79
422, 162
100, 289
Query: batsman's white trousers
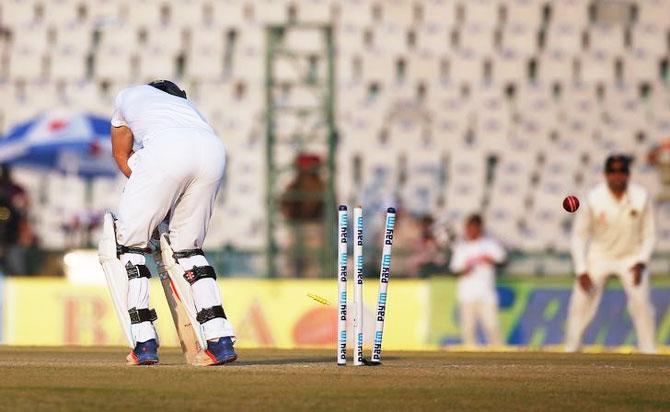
583, 305
479, 311
178, 173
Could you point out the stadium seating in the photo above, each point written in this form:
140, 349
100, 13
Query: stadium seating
451, 105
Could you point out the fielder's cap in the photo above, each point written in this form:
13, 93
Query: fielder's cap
168, 87
618, 163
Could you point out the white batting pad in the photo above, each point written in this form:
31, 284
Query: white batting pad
116, 276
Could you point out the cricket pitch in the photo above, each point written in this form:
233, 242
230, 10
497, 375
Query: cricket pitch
263, 379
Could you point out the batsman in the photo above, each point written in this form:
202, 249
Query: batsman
174, 162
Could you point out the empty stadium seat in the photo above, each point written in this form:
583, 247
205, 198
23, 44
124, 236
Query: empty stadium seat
68, 64
510, 66
425, 181
526, 12
307, 40
398, 13
25, 64
650, 37
115, 64
106, 192
481, 12
373, 61
438, 13
271, 11
156, 63
521, 38
597, 66
466, 67
654, 12
16, 13
574, 12
556, 67
477, 38
74, 36
315, 11
659, 102
423, 68
32, 36
390, 38
167, 38
355, 12
433, 39
225, 13
58, 12
104, 11
564, 38
143, 12
85, 95
121, 36
536, 101
607, 39
640, 65
188, 13
623, 106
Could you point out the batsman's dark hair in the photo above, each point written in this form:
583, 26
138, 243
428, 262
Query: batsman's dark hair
168, 87
475, 219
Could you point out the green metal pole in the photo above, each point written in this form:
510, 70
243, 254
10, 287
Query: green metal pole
271, 247
329, 105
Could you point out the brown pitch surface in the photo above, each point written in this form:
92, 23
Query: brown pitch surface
262, 379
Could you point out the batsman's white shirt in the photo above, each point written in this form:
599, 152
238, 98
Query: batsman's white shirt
177, 165
608, 229
478, 284
150, 113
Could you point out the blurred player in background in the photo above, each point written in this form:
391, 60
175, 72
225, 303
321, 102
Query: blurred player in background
613, 234
303, 207
474, 260
174, 163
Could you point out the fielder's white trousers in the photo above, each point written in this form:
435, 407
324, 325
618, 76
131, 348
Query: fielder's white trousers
178, 173
482, 312
583, 305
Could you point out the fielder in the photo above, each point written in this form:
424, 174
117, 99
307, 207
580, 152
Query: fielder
613, 235
474, 261
174, 163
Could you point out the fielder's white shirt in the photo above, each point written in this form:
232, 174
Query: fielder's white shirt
609, 229
148, 111
479, 283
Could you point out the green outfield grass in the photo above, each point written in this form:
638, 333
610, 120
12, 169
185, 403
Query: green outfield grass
96, 379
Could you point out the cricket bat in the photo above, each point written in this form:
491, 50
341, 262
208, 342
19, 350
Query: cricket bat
190, 346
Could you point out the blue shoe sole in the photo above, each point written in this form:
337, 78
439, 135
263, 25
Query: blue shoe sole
223, 361
133, 359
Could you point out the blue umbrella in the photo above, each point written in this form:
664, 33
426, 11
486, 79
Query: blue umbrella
60, 140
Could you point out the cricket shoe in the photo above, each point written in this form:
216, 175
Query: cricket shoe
145, 353
221, 351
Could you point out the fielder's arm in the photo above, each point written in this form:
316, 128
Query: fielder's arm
458, 264
581, 234
496, 254
122, 147
648, 234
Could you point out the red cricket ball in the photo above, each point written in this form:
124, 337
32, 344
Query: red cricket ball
571, 204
